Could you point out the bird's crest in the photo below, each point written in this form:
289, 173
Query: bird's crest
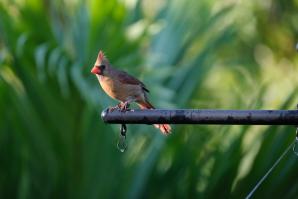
101, 56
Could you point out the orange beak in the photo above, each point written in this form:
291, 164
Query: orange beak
96, 70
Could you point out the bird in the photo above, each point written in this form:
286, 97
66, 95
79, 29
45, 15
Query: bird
123, 87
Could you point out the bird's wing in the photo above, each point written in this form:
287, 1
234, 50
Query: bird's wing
125, 78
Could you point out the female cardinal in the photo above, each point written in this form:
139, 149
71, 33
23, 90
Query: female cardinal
123, 87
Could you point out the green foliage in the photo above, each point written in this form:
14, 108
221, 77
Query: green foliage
191, 54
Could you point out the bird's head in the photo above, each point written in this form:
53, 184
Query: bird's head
101, 65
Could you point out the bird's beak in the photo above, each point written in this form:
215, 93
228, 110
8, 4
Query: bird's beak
96, 70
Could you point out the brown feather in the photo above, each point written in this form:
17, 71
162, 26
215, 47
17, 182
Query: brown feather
125, 78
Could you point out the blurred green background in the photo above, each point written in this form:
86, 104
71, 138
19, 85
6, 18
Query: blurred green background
203, 54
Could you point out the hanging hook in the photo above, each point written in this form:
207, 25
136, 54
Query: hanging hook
122, 137
295, 146
123, 129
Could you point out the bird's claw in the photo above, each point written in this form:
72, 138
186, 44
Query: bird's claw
123, 107
112, 108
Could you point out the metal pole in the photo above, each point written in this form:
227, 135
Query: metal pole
194, 116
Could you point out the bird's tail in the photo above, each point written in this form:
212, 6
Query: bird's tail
164, 128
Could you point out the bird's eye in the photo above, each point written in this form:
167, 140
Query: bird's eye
102, 67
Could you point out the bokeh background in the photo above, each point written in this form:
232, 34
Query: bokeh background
205, 54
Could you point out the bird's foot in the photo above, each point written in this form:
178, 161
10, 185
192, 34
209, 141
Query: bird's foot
112, 108
123, 107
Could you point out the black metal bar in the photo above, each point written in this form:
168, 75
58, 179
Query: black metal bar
193, 116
